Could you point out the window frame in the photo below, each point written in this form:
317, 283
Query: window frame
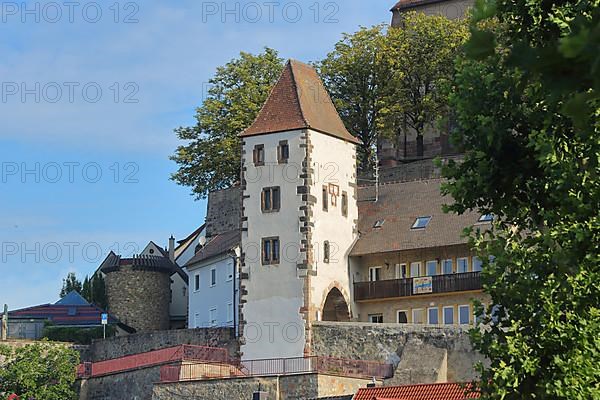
325, 198
437, 315
444, 315
398, 316
466, 265
414, 310
213, 276
258, 149
280, 156
463, 306
427, 264
271, 190
375, 268
378, 316
411, 269
416, 224
399, 272
451, 266
270, 261
210, 317
473, 264
326, 251
197, 281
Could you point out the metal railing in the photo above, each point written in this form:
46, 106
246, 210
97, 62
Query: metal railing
275, 367
404, 287
153, 358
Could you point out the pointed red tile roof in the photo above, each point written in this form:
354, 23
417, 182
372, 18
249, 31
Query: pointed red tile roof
432, 391
299, 100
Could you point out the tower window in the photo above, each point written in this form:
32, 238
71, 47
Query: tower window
326, 251
197, 282
283, 152
344, 204
270, 251
325, 199
259, 154
271, 199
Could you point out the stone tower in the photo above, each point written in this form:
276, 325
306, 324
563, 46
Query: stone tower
299, 217
139, 290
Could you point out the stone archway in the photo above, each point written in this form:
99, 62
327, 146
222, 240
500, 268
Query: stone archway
335, 307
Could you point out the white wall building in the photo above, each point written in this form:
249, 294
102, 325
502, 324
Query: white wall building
214, 282
299, 217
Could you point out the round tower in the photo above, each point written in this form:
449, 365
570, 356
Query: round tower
139, 291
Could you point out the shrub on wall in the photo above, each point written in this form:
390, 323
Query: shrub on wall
77, 335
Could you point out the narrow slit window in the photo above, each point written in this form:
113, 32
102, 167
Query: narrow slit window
325, 199
259, 154
344, 204
283, 152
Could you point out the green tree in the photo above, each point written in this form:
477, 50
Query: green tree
86, 289
40, 371
211, 158
98, 292
70, 283
420, 54
528, 110
356, 76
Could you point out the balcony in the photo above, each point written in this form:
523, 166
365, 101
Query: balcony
406, 287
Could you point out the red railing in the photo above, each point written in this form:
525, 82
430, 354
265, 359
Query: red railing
152, 358
276, 366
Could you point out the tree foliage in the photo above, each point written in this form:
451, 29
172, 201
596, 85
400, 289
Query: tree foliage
526, 100
420, 55
356, 78
70, 283
40, 371
211, 158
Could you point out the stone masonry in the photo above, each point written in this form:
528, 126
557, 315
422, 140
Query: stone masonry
139, 298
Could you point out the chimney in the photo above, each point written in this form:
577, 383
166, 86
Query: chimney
172, 248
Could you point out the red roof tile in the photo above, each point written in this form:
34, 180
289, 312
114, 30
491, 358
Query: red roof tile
432, 391
299, 100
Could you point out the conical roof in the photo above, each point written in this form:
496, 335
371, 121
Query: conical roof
299, 100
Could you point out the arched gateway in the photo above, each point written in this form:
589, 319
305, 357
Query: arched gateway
336, 308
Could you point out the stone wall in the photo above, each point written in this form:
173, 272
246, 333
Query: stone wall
223, 211
139, 298
290, 387
421, 354
142, 342
132, 385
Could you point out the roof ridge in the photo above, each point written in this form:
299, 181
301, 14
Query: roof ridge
298, 93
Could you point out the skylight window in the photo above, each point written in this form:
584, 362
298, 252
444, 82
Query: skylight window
421, 222
379, 223
486, 218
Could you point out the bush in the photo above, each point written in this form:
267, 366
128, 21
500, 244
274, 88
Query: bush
77, 335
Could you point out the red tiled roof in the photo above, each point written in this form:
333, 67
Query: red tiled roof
398, 205
299, 100
218, 245
432, 391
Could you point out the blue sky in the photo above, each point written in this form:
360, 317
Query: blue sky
90, 94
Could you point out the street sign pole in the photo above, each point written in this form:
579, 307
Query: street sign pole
104, 323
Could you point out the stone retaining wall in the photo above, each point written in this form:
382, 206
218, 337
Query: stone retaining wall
290, 387
421, 354
120, 346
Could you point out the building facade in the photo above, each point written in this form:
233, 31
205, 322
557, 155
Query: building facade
298, 215
412, 263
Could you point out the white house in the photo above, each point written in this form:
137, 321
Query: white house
299, 216
214, 281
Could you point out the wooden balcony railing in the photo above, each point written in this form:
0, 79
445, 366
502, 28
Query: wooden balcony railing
404, 287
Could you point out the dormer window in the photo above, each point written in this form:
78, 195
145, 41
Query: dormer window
259, 155
486, 218
283, 152
421, 222
379, 223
